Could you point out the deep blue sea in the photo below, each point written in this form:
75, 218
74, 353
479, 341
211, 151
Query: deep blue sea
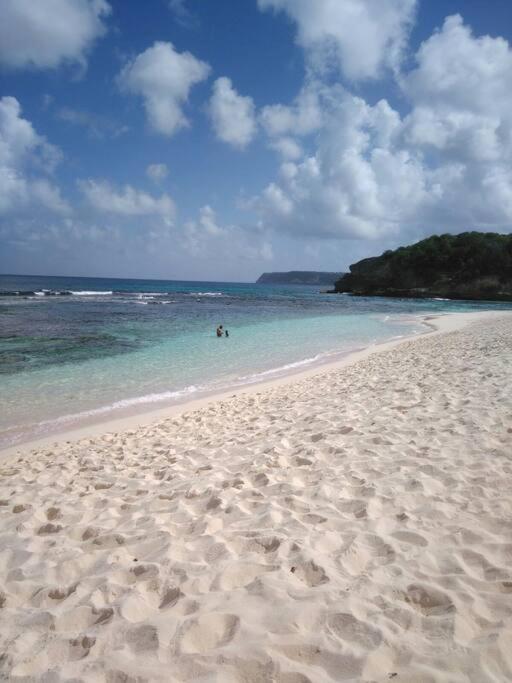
83, 349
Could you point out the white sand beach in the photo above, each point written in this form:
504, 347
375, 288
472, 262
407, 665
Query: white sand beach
353, 524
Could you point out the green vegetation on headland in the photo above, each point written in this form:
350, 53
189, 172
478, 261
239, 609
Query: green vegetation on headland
298, 277
472, 265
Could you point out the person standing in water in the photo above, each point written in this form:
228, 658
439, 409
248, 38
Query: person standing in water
219, 331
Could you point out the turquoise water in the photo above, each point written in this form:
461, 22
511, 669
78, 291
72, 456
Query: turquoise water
75, 349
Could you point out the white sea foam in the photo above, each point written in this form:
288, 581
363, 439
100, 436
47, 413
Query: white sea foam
116, 405
87, 293
283, 368
206, 294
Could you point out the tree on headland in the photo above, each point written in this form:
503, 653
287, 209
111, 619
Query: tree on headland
471, 265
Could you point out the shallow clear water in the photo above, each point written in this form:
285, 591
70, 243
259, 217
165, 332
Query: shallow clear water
77, 347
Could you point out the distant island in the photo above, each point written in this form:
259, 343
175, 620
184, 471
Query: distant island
299, 277
472, 265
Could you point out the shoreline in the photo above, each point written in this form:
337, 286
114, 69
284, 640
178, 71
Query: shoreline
134, 418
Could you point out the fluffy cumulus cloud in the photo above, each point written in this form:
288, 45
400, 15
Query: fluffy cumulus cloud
47, 33
233, 115
285, 123
359, 183
127, 201
462, 118
444, 165
461, 93
358, 37
303, 116
25, 156
163, 77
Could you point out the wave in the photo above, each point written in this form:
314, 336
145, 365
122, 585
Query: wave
115, 293
54, 292
17, 293
288, 366
90, 293
37, 292
40, 428
150, 300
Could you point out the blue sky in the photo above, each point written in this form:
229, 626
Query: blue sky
211, 139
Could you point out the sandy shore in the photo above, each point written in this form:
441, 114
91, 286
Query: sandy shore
354, 525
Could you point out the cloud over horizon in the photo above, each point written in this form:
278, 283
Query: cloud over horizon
377, 173
361, 139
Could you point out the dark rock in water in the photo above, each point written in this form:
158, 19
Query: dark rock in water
472, 265
298, 277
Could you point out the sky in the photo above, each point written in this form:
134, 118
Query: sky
217, 139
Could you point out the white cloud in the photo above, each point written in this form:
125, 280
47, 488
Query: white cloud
46, 33
163, 77
284, 123
157, 172
359, 183
205, 238
208, 221
287, 147
373, 174
23, 155
304, 116
461, 94
127, 201
232, 114
359, 37
197, 234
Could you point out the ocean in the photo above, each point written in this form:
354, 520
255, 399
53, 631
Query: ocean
78, 350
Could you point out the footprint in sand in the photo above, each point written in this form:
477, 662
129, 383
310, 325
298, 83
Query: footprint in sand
20, 508
239, 575
49, 597
310, 574
52, 513
365, 552
49, 529
80, 647
170, 598
207, 633
142, 638
347, 628
428, 601
262, 545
